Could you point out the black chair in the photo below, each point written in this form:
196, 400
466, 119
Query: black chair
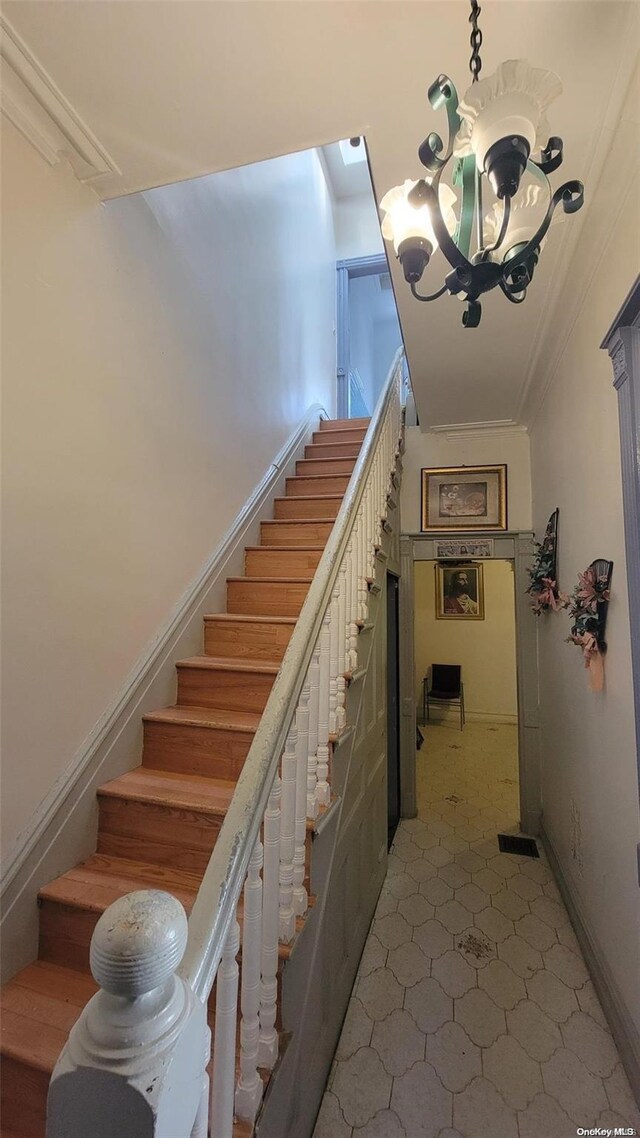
446, 687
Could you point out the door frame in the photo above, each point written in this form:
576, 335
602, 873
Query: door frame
516, 546
346, 271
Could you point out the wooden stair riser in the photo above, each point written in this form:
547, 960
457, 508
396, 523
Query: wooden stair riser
247, 639
317, 484
295, 533
312, 507
326, 450
163, 835
346, 435
216, 753
24, 1094
266, 562
306, 466
340, 424
215, 687
266, 598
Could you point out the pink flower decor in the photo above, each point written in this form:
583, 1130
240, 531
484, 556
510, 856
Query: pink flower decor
588, 608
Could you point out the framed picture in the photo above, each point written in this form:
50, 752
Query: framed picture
459, 592
464, 498
480, 547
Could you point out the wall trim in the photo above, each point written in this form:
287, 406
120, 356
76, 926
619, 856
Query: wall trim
491, 429
139, 691
38, 109
623, 1029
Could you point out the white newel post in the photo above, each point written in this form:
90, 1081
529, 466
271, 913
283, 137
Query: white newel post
312, 752
287, 922
268, 1045
135, 1061
323, 791
300, 897
224, 1042
249, 1089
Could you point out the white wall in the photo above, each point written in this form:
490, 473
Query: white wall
357, 227
387, 338
486, 649
589, 774
436, 449
157, 352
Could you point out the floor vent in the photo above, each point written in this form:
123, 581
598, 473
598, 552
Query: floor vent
526, 847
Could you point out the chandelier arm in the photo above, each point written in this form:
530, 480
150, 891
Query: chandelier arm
434, 295
571, 194
429, 194
552, 155
506, 213
442, 93
515, 299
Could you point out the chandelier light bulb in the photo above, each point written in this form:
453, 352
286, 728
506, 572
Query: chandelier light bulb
410, 229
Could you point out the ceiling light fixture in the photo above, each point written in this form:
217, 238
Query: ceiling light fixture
493, 133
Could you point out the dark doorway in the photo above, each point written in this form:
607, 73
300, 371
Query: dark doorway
393, 708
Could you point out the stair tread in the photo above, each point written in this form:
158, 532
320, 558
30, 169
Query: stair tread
168, 788
316, 477
231, 663
248, 617
212, 717
96, 883
279, 549
310, 498
272, 580
335, 430
300, 521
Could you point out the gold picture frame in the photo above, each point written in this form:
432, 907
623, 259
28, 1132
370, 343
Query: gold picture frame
464, 498
459, 592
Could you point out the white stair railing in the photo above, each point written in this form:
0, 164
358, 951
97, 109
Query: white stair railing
136, 1061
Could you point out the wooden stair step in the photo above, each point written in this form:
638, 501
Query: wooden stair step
327, 449
267, 596
227, 683
307, 466
279, 560
340, 435
307, 506
163, 817
292, 531
208, 741
336, 424
303, 485
247, 635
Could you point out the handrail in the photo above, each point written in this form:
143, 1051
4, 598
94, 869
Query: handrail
214, 908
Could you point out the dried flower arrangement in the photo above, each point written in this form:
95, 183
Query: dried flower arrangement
588, 611
543, 589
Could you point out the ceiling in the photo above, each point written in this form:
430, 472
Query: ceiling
172, 89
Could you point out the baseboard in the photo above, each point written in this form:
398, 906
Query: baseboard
622, 1027
62, 831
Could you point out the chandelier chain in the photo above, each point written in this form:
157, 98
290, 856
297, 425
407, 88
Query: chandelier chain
475, 63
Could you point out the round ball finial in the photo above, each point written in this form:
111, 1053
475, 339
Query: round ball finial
138, 943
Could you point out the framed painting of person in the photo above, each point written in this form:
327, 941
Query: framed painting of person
459, 592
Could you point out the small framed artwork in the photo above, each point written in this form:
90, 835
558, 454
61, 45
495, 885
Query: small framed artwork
464, 498
455, 550
459, 592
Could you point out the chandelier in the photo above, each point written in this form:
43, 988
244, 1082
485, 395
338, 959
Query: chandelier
494, 133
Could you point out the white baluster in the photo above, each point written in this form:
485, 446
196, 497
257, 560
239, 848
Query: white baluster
341, 697
312, 754
287, 919
300, 897
224, 1044
334, 624
363, 589
250, 1086
268, 1043
352, 609
323, 792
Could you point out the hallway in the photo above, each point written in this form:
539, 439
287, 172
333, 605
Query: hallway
472, 1015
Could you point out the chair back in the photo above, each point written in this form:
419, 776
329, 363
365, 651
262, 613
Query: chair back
445, 678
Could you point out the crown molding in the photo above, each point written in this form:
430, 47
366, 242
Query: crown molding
490, 429
38, 109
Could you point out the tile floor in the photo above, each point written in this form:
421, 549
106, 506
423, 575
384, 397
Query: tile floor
473, 1015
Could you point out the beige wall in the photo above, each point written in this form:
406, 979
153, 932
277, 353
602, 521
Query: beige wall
434, 448
157, 353
486, 649
589, 773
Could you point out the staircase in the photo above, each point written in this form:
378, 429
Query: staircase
158, 823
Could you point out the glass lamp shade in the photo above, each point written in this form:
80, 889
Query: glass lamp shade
511, 103
527, 211
405, 222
